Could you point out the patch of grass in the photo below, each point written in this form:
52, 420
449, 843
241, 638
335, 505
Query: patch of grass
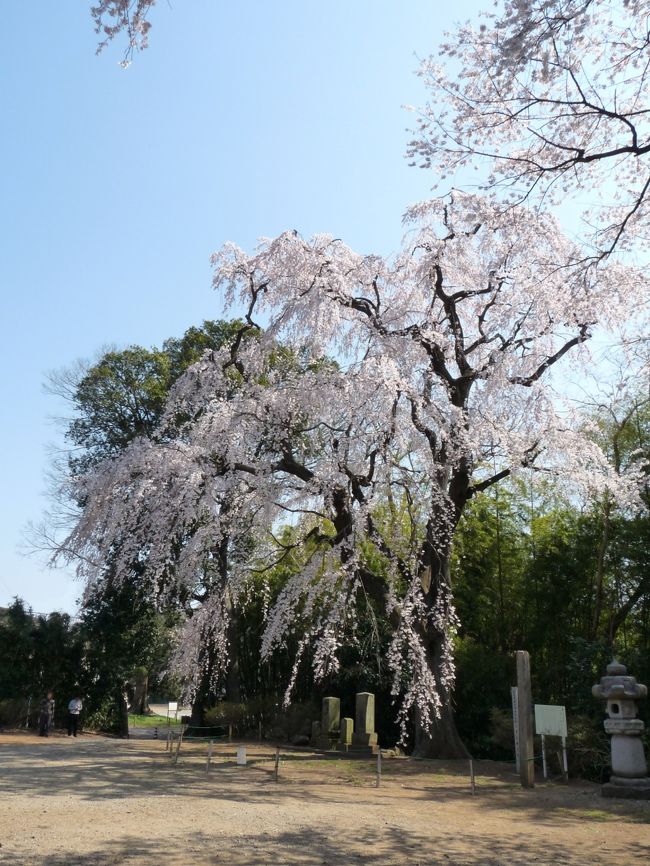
148, 721
589, 814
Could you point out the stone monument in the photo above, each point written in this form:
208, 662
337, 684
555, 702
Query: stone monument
630, 771
330, 723
347, 730
364, 737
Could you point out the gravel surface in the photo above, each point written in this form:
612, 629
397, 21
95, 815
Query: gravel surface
94, 801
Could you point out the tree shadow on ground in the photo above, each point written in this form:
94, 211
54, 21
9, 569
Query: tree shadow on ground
312, 847
94, 769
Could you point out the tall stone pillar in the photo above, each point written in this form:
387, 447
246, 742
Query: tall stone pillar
330, 723
364, 724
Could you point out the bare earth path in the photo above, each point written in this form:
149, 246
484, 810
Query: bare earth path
100, 802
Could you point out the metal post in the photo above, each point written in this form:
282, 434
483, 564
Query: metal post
471, 776
277, 763
565, 763
207, 765
260, 731
544, 767
378, 783
230, 733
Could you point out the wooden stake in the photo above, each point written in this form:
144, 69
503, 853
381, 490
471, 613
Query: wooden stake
378, 782
207, 765
471, 776
277, 763
178, 746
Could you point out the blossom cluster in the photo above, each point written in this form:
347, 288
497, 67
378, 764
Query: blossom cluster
548, 100
112, 17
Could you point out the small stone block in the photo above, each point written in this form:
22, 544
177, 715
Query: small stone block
365, 739
347, 729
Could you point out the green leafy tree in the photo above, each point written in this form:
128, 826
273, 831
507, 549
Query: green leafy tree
38, 653
115, 400
122, 633
123, 395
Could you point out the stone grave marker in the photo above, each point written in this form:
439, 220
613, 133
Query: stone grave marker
347, 729
364, 736
330, 723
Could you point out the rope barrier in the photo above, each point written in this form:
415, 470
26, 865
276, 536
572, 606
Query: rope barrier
177, 739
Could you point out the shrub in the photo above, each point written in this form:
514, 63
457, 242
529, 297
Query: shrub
588, 749
13, 712
277, 722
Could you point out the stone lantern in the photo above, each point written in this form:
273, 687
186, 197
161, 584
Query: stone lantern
630, 771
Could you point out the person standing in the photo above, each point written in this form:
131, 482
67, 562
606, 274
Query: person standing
46, 715
74, 710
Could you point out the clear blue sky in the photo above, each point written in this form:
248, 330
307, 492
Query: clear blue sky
241, 120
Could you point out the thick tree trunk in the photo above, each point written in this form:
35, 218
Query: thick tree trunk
123, 713
140, 701
441, 739
233, 676
196, 717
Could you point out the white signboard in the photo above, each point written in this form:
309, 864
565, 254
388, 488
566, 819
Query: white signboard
172, 707
550, 721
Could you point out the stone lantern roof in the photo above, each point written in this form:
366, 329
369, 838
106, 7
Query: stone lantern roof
617, 685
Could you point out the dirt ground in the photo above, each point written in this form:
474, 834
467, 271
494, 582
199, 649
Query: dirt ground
102, 802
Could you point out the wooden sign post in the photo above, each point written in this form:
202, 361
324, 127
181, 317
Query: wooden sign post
525, 714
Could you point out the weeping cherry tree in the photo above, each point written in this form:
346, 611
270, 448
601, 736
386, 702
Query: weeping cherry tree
424, 379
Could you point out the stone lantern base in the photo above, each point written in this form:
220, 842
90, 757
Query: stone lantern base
627, 789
